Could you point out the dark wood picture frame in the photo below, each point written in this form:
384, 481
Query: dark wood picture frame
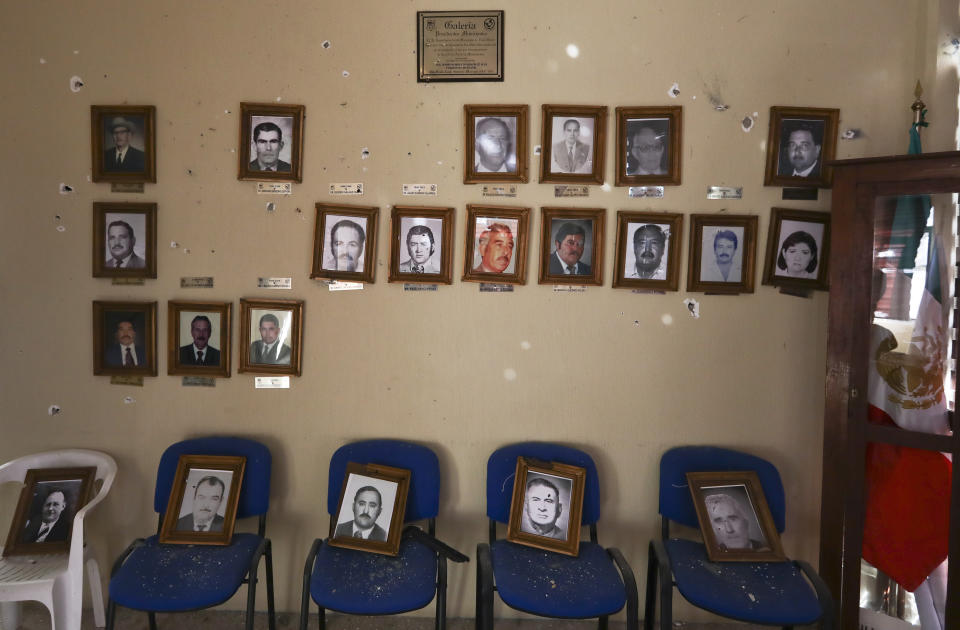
363, 220
555, 121
500, 228
132, 125
125, 220
421, 220
206, 472
113, 323
557, 482
744, 248
661, 236
649, 132
358, 478
551, 271
796, 236
813, 125
182, 359
75, 486
740, 502
292, 134
479, 118
251, 348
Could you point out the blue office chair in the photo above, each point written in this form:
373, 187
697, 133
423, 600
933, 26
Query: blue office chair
766, 593
155, 577
597, 582
364, 583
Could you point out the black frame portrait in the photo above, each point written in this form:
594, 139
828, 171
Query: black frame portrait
666, 123
784, 121
383, 478
555, 119
477, 115
744, 488
798, 228
330, 217
666, 276
250, 115
140, 162
107, 316
180, 359
549, 264
199, 469
707, 226
491, 220
291, 310
132, 216
403, 219
569, 482
38, 484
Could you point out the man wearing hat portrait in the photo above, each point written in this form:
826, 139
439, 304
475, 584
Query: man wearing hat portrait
122, 158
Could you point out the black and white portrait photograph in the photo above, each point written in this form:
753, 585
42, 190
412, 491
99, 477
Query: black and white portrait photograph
421, 244
50, 498
798, 257
647, 257
797, 249
198, 338
424, 250
547, 505
344, 236
271, 141
123, 137
124, 240
270, 146
573, 144
272, 336
123, 143
733, 518
125, 338
570, 240
495, 144
801, 141
495, 148
722, 253
122, 250
543, 505
369, 514
647, 250
721, 256
203, 506
648, 146
203, 500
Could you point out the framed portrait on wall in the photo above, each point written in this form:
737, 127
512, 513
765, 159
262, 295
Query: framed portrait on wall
124, 338
648, 250
649, 145
370, 512
722, 253
271, 142
547, 506
343, 238
573, 141
271, 336
123, 143
49, 499
421, 245
496, 244
124, 240
800, 142
495, 143
798, 249
571, 245
198, 338
202, 507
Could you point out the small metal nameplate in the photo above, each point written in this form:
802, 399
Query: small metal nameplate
271, 382
274, 188
497, 190
129, 281
127, 380
801, 194
345, 286
407, 286
493, 287
196, 282
420, 189
569, 288
648, 292
274, 283
126, 187
564, 190
645, 191
198, 381
724, 192
346, 189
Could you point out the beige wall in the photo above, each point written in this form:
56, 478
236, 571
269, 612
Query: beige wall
622, 375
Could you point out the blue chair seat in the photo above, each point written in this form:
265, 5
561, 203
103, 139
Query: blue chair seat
556, 585
772, 593
359, 582
176, 578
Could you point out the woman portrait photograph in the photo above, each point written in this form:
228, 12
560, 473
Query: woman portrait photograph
648, 145
797, 247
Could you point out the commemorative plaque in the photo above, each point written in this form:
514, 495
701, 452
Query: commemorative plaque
459, 46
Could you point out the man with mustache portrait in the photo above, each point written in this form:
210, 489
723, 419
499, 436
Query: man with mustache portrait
649, 246
346, 246
724, 265
495, 247
200, 352
120, 242
207, 497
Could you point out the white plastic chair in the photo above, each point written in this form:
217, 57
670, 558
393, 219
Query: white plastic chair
56, 580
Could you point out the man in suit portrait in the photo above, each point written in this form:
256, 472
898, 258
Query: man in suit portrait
730, 522
268, 349
366, 508
649, 244
268, 142
724, 266
200, 352
420, 247
53, 522
801, 149
541, 509
495, 247
125, 352
493, 146
121, 157
569, 243
346, 246
570, 155
120, 242
207, 496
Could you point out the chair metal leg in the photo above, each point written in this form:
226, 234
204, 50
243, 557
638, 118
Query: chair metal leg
271, 611
251, 597
602, 622
111, 613
441, 621
484, 604
650, 602
321, 618
152, 618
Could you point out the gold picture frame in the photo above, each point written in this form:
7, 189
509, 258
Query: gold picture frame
584, 225
547, 506
123, 143
416, 233
271, 336
801, 139
48, 493
649, 146
193, 327
798, 249
723, 252
565, 158
207, 517
649, 246
495, 141
124, 338
353, 229
124, 240
496, 244
367, 488
270, 132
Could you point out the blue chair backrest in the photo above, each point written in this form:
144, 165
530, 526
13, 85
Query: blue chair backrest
676, 503
502, 467
255, 487
423, 497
